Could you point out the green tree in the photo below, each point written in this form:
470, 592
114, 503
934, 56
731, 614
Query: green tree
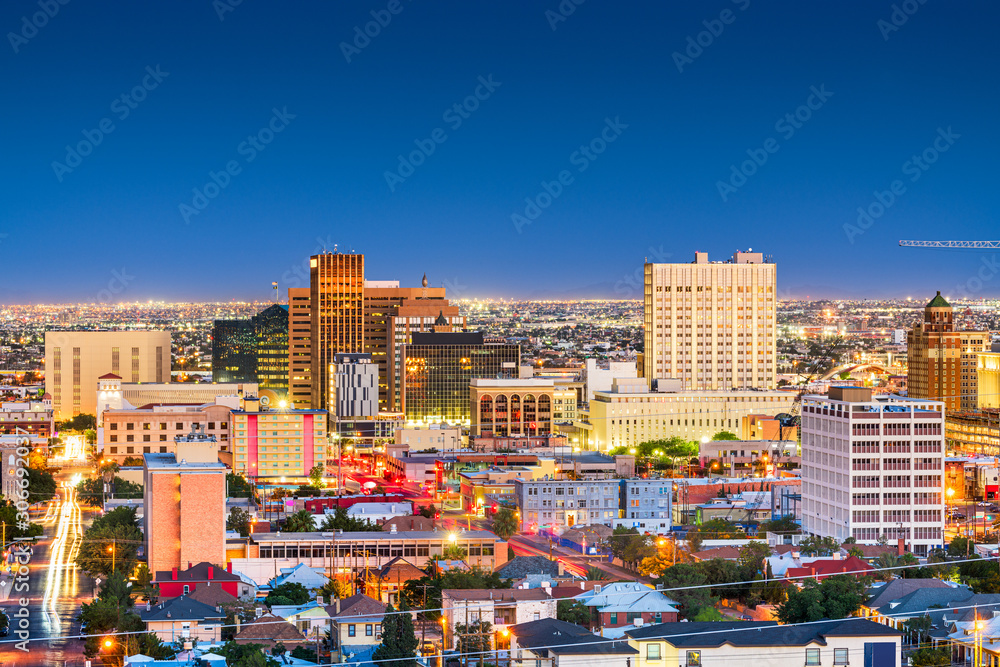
716, 529
454, 552
573, 611
834, 597
340, 520
287, 593
237, 486
724, 435
960, 546
41, 486
90, 436
813, 545
78, 423
300, 522
473, 638
144, 584
708, 614
8, 515
931, 657
399, 642
111, 614
505, 523
91, 491
334, 590
316, 475
246, 655
239, 520
414, 594
596, 574
682, 579
112, 540
719, 573
784, 526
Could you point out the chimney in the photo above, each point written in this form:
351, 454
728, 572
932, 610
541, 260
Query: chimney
901, 546
229, 567
173, 574
237, 624
336, 606
210, 573
189, 565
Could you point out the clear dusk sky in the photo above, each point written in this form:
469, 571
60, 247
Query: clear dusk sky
198, 150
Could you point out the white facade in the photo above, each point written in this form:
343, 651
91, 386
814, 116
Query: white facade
872, 468
712, 324
599, 378
625, 419
419, 439
353, 386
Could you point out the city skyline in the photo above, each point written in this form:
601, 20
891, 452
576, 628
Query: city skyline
635, 143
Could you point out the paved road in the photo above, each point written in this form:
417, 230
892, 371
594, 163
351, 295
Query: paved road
55, 587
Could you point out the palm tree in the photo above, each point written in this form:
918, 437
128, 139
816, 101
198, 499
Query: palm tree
505, 523
300, 522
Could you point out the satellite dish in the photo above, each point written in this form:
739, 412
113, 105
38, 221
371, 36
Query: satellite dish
265, 401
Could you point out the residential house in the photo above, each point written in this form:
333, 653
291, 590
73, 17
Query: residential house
628, 603
176, 582
384, 583
552, 643
870, 552
829, 567
501, 607
355, 627
311, 618
213, 596
521, 568
312, 578
414, 522
901, 600
181, 618
725, 553
851, 641
267, 630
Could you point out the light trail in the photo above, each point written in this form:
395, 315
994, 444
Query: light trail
65, 546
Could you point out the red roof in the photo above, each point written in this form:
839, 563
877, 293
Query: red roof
110, 376
830, 567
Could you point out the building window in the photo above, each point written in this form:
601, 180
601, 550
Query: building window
187, 589
840, 656
351, 631
652, 651
694, 659
369, 630
812, 657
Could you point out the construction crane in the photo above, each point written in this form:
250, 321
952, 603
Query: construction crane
983, 245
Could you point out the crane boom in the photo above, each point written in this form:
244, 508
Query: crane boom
950, 244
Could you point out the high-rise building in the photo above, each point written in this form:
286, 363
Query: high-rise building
184, 496
712, 325
943, 361
277, 443
873, 468
438, 369
299, 349
253, 350
336, 295
74, 360
353, 386
392, 313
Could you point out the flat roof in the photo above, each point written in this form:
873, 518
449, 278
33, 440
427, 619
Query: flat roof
372, 535
170, 462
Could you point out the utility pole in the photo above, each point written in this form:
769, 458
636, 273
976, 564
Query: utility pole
423, 623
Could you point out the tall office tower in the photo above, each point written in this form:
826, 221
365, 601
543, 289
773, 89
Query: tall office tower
353, 386
74, 360
712, 325
253, 350
438, 370
943, 361
392, 313
873, 467
336, 324
299, 349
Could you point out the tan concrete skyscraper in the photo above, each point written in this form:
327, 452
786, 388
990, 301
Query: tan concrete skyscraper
299, 348
711, 324
75, 359
336, 324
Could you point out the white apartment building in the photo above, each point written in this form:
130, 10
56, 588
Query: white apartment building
353, 386
873, 468
630, 413
712, 324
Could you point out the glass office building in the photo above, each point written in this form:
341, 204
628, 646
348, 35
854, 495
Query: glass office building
253, 350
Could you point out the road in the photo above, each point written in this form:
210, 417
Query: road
56, 588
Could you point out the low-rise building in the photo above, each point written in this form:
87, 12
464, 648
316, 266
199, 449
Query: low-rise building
267, 630
561, 504
501, 607
626, 603
311, 578
549, 642
153, 429
176, 582
277, 444
182, 619
355, 628
31, 418
647, 504
444, 439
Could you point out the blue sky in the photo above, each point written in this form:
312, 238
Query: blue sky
618, 128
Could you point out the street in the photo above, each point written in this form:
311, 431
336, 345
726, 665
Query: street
56, 588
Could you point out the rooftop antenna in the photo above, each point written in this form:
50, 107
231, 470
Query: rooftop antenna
274, 285
334, 248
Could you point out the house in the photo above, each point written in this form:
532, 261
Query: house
415, 522
828, 567
972, 623
213, 596
312, 578
355, 627
176, 582
550, 643
851, 641
725, 553
628, 603
384, 584
181, 618
267, 630
309, 618
521, 566
903, 599
500, 607
870, 552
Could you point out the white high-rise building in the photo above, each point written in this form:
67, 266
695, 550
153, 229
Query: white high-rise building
712, 325
353, 386
873, 467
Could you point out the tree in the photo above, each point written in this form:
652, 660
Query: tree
573, 611
91, 491
239, 520
144, 584
340, 520
682, 580
238, 487
813, 545
960, 546
8, 515
41, 485
430, 600
708, 614
132, 461
454, 552
427, 511
716, 529
399, 642
246, 655
785, 526
931, 657
834, 597
287, 593
111, 614
90, 436
654, 566
117, 530
596, 574
78, 423
300, 522
719, 572
473, 638
316, 475
334, 590
724, 435
917, 628
505, 523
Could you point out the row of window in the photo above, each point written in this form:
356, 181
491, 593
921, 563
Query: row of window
178, 426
